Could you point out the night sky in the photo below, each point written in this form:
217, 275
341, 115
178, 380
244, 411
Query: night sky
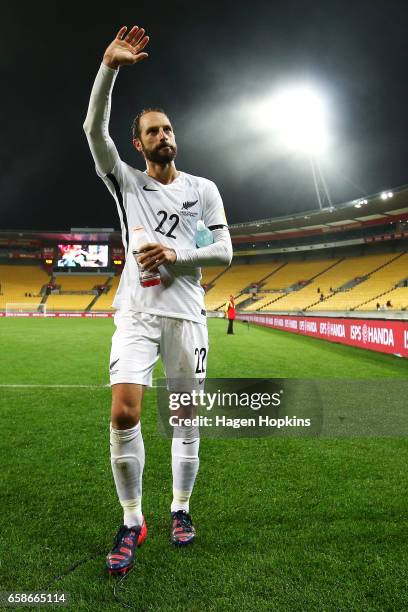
210, 62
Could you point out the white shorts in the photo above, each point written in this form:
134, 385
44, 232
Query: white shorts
140, 338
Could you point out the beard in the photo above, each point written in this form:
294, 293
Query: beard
161, 155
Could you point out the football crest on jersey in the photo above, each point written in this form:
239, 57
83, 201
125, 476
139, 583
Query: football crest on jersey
185, 209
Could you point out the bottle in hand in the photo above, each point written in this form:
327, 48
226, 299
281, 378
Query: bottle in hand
140, 237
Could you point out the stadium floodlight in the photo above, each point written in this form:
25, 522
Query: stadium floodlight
359, 203
386, 194
297, 118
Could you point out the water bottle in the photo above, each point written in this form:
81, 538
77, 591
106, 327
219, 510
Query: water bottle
203, 236
140, 237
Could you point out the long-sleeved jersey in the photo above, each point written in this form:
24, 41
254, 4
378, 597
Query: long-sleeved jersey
169, 214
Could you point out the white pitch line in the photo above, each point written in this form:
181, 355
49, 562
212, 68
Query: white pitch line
35, 386
29, 386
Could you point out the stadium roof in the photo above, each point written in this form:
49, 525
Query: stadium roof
378, 209
72, 236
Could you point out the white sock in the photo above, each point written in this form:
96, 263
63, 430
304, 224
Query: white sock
185, 463
127, 460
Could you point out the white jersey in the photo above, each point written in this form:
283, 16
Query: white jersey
169, 214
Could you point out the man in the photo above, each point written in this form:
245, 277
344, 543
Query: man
168, 318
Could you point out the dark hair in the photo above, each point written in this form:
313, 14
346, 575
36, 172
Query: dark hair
136, 120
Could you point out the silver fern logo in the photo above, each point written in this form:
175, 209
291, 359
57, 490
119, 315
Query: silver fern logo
185, 209
187, 205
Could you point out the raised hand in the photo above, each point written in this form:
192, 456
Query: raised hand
126, 48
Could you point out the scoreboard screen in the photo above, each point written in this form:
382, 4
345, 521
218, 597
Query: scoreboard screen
82, 255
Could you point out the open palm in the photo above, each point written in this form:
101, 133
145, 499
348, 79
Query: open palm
126, 48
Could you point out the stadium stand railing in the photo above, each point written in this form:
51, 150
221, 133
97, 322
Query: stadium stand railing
361, 283
235, 280
344, 283
76, 292
211, 275
398, 296
291, 277
104, 301
308, 275
378, 273
80, 282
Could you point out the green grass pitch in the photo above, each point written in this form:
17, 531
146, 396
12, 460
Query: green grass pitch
299, 524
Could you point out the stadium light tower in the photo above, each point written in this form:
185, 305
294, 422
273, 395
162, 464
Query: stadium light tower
297, 116
320, 185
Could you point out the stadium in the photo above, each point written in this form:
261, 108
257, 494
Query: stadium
343, 268
204, 291
321, 295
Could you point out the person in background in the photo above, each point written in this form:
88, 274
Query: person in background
230, 314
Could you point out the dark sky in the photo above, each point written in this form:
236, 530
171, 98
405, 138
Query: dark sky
210, 62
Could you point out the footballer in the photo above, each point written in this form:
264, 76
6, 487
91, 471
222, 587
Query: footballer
167, 319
